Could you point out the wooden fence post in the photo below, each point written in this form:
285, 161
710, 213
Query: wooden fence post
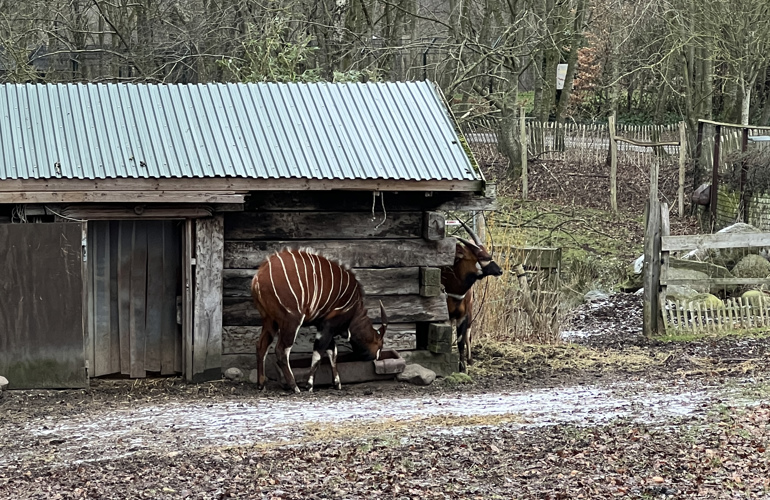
652, 246
523, 150
613, 165
682, 161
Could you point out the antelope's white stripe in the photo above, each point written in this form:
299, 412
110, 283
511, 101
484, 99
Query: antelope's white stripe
342, 293
299, 278
288, 284
318, 284
331, 286
272, 282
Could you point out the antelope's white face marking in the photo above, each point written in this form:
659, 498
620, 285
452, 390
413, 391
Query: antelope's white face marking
478, 268
378, 355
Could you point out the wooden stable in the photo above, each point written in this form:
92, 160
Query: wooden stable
161, 223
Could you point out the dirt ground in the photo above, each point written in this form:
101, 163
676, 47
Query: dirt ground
606, 414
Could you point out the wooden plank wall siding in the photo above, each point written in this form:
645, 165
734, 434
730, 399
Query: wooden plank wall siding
134, 267
386, 251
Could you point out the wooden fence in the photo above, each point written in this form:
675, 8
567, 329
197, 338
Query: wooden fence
635, 146
660, 313
699, 317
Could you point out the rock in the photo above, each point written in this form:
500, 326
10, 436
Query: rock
726, 257
752, 266
706, 299
3, 383
254, 376
688, 274
235, 374
417, 375
681, 292
595, 295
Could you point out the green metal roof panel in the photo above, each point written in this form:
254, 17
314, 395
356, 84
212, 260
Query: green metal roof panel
396, 131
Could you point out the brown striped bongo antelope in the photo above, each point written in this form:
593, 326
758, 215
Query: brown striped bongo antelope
472, 263
295, 288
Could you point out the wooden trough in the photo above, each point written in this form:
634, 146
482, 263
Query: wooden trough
351, 371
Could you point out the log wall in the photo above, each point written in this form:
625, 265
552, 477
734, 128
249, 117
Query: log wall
386, 249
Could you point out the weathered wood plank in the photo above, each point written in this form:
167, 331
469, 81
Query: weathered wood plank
154, 295
207, 321
433, 226
723, 240
126, 237
106, 342
120, 197
320, 225
138, 305
392, 281
354, 253
362, 201
399, 308
716, 281
243, 339
170, 336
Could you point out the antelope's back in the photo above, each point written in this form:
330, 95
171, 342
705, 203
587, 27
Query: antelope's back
304, 283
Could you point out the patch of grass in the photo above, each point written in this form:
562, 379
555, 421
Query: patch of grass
458, 378
684, 336
500, 358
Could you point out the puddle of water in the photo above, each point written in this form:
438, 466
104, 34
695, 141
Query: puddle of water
180, 426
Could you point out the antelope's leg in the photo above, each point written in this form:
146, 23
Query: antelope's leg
282, 352
463, 346
332, 353
265, 339
321, 344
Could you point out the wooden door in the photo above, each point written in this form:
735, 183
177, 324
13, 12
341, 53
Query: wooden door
41, 305
134, 281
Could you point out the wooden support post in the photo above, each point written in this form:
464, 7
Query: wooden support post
744, 172
715, 174
665, 230
433, 226
430, 281
682, 162
613, 165
440, 338
523, 150
652, 246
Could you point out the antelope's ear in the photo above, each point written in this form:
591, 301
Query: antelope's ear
383, 317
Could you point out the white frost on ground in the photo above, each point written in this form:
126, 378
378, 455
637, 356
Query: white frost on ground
184, 426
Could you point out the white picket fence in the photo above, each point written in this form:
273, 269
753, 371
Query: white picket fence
733, 314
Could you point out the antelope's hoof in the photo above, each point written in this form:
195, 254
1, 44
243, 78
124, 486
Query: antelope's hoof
338, 387
310, 389
296, 389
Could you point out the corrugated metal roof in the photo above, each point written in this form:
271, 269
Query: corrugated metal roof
398, 131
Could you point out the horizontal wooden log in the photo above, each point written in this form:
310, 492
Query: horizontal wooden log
392, 281
399, 308
354, 253
723, 240
243, 339
109, 212
120, 197
716, 281
322, 225
362, 201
